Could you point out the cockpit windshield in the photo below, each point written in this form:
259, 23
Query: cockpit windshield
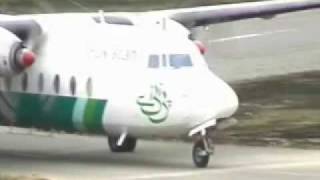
154, 61
174, 61
180, 60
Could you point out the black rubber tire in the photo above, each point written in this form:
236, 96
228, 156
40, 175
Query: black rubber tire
200, 161
128, 145
131, 144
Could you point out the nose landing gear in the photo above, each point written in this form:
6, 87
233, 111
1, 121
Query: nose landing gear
128, 144
202, 150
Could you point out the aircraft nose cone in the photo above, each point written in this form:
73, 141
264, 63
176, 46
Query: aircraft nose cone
220, 99
214, 99
229, 102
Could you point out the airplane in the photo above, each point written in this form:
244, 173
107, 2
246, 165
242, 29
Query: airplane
126, 76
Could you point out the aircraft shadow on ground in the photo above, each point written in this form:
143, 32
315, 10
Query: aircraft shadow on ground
103, 158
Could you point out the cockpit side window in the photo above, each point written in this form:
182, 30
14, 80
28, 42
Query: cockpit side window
154, 61
180, 60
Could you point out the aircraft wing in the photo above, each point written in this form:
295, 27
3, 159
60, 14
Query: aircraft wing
202, 16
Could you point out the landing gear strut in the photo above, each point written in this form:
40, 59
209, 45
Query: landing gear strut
202, 150
128, 145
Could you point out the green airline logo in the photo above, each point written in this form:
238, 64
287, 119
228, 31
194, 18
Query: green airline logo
155, 105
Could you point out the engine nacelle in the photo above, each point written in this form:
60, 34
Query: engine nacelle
14, 57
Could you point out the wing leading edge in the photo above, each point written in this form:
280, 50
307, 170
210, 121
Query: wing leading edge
202, 16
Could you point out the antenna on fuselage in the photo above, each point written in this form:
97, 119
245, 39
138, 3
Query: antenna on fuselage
101, 15
164, 24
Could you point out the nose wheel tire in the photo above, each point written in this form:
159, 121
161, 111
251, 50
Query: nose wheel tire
200, 155
128, 145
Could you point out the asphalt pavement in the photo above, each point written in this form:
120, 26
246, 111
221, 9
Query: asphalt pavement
80, 157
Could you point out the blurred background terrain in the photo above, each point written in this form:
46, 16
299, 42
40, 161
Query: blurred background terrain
50, 6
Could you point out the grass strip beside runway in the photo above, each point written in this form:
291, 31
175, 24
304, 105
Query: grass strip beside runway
10, 177
282, 110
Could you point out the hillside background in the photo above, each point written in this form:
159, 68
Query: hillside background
50, 6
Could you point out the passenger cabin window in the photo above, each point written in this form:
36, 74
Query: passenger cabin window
180, 60
73, 85
24, 82
56, 84
8, 83
89, 87
41, 82
154, 61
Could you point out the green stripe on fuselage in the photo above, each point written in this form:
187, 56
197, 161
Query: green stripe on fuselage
56, 112
93, 116
78, 114
28, 110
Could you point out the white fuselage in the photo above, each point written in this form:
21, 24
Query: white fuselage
154, 79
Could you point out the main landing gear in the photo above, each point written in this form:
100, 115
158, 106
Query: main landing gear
202, 150
127, 145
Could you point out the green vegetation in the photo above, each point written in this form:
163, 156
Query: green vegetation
47, 6
282, 110
8, 177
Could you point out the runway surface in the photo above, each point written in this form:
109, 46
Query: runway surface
79, 157
257, 48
